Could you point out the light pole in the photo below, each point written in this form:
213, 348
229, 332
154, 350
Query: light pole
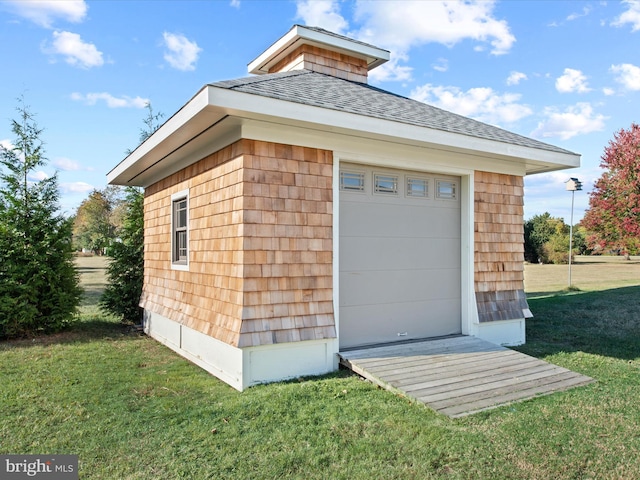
573, 185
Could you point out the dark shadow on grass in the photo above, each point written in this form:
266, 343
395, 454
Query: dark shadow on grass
86, 330
536, 295
604, 323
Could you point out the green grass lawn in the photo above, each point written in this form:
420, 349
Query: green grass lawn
132, 409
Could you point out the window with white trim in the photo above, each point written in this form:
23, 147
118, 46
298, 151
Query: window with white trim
385, 184
179, 229
417, 187
446, 189
352, 181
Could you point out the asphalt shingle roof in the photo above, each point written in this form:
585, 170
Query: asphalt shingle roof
325, 91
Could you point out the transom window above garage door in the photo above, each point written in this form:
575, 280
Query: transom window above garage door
385, 184
417, 187
352, 181
409, 185
446, 189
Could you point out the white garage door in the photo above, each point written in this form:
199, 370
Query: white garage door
399, 255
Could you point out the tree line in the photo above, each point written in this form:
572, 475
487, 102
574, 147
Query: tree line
611, 224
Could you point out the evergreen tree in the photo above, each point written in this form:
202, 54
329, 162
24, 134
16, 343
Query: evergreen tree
39, 285
126, 269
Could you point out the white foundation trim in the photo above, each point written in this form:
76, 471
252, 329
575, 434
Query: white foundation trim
505, 332
244, 367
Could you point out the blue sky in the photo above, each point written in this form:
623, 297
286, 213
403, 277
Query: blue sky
564, 72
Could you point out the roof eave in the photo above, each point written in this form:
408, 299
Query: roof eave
249, 105
213, 117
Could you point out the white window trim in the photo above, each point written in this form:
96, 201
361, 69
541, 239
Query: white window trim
456, 190
353, 172
383, 193
179, 265
427, 180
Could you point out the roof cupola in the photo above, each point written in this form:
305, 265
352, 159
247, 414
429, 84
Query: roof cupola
321, 51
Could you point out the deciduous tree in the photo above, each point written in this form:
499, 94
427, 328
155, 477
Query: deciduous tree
93, 229
613, 217
546, 240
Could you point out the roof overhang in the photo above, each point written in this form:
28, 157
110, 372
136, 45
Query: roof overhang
215, 116
299, 35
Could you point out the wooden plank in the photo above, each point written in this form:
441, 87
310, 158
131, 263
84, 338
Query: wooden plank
456, 360
400, 349
480, 374
459, 375
449, 368
486, 386
497, 392
468, 409
413, 350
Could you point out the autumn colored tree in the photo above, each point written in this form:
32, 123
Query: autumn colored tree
613, 217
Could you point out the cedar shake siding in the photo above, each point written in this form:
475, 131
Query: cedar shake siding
499, 247
248, 291
320, 60
260, 245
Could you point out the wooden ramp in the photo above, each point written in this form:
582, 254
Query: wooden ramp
459, 376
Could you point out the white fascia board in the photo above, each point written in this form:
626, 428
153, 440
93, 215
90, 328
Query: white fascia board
270, 109
187, 123
300, 35
190, 135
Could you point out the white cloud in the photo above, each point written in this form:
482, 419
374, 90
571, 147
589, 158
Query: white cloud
38, 176
9, 146
632, 16
403, 24
628, 75
515, 78
574, 16
45, 12
392, 71
181, 54
76, 52
483, 104
442, 65
111, 101
572, 81
235, 3
578, 119
608, 91
323, 14
75, 187
68, 165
